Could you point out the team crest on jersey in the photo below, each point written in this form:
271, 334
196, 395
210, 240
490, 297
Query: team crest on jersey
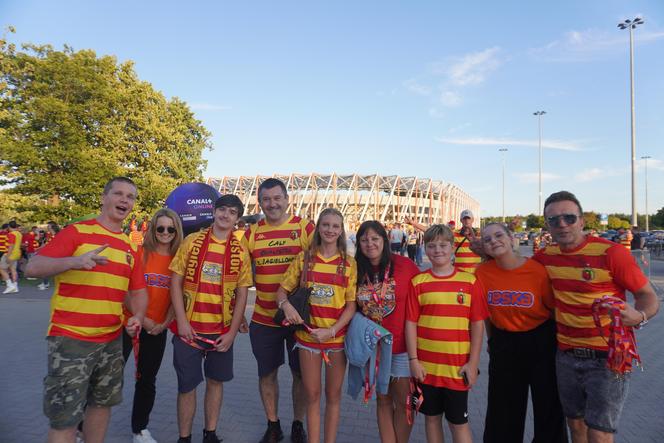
212, 270
588, 274
322, 294
461, 297
294, 235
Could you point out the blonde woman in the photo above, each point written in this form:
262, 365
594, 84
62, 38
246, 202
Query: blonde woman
332, 275
160, 244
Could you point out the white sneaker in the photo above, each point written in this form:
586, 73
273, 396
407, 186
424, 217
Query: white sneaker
144, 437
42, 286
11, 289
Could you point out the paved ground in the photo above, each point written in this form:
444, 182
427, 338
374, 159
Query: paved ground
23, 319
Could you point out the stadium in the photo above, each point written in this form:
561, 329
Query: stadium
359, 197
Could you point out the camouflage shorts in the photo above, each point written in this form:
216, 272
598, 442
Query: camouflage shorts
81, 373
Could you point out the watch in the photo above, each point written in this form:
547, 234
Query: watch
644, 321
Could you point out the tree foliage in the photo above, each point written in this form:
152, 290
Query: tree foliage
70, 120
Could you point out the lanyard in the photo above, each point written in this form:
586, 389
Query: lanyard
135, 344
413, 401
379, 300
622, 344
193, 343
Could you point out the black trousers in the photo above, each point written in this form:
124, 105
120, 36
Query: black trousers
150, 353
412, 250
520, 361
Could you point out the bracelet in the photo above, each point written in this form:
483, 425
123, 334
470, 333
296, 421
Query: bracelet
281, 303
412, 358
334, 334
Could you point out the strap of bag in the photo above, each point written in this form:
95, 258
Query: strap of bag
304, 275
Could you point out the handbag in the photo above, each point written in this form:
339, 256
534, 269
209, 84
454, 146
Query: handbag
299, 299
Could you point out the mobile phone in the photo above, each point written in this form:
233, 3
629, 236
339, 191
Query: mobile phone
465, 378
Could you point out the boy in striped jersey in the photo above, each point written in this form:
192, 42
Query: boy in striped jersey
582, 269
444, 326
95, 267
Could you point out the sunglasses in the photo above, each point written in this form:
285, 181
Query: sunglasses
170, 229
554, 221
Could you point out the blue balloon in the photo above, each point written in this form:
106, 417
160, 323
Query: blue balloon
194, 203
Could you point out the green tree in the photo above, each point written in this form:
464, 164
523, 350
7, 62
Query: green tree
616, 222
534, 221
591, 221
657, 220
70, 120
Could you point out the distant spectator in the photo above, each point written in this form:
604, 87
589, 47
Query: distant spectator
638, 241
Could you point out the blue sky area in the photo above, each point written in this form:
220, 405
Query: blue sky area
419, 88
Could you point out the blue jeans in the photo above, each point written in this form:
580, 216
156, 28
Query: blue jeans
589, 390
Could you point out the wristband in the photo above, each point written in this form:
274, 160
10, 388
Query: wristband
334, 334
412, 358
281, 303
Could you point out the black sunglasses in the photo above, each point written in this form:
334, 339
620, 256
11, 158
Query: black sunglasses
554, 221
170, 229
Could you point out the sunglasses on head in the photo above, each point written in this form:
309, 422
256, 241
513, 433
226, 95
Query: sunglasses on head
170, 229
570, 219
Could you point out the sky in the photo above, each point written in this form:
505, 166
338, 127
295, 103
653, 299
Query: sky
430, 89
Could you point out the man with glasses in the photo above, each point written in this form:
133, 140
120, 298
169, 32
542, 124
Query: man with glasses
273, 243
582, 269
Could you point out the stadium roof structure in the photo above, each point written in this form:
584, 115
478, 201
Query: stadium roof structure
359, 197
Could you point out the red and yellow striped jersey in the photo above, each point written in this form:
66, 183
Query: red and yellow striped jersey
31, 242
443, 308
3, 240
87, 304
207, 315
14, 238
595, 268
333, 282
464, 258
272, 249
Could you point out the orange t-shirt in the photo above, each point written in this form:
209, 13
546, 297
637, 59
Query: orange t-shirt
158, 281
518, 299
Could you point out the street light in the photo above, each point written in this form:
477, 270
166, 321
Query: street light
539, 115
631, 25
646, 157
503, 150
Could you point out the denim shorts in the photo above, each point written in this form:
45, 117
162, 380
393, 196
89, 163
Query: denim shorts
589, 390
400, 365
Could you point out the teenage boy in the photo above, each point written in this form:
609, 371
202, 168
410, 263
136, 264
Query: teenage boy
273, 244
211, 275
444, 327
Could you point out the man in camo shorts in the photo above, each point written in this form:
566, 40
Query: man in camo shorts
95, 267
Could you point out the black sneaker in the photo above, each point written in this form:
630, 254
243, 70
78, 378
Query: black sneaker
273, 433
297, 434
210, 437
184, 439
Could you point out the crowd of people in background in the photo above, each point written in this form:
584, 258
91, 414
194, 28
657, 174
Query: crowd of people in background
120, 287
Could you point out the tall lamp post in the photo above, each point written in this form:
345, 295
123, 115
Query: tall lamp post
646, 157
539, 115
631, 25
503, 151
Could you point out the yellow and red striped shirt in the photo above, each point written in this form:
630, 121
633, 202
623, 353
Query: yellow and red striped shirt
464, 258
444, 308
207, 315
3, 240
595, 268
333, 282
87, 304
272, 249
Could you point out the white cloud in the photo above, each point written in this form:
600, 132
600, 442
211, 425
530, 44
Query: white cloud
450, 99
444, 82
561, 145
592, 174
459, 128
414, 86
473, 68
590, 44
208, 107
653, 164
533, 177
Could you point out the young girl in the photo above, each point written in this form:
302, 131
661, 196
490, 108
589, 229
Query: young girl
332, 275
161, 242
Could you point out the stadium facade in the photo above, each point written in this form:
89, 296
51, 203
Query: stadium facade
360, 197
